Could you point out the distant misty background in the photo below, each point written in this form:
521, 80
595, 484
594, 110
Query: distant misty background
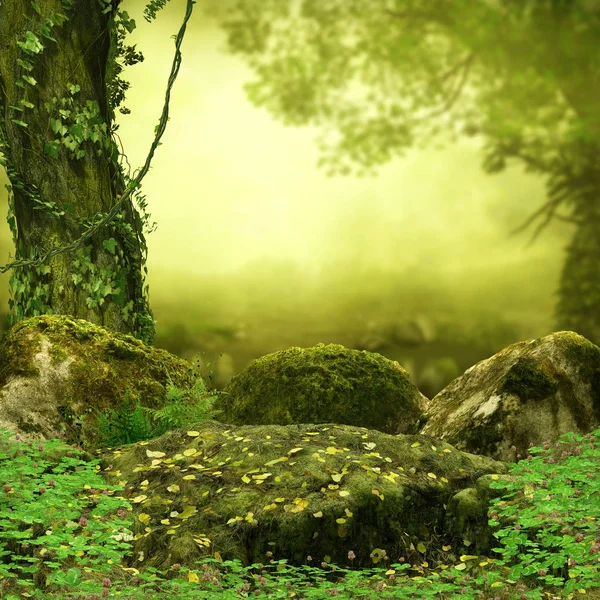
256, 250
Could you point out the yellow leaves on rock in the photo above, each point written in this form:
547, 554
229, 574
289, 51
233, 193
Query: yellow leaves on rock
189, 477
140, 498
144, 518
173, 488
343, 493
258, 479
249, 518
415, 445
190, 452
156, 454
203, 541
376, 492
193, 433
299, 505
318, 514
276, 460
187, 512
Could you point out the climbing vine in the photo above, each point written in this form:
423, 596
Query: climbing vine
78, 128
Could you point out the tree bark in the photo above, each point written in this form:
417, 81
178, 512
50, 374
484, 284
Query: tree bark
578, 307
78, 187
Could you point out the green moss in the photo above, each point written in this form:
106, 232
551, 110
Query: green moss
528, 380
586, 356
323, 384
106, 365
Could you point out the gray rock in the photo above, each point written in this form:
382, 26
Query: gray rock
530, 392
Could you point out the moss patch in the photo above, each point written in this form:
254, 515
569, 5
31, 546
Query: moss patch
528, 380
324, 383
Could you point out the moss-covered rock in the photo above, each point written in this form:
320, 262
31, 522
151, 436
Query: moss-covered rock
528, 393
297, 491
54, 370
323, 384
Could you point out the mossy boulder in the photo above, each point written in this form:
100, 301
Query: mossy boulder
323, 384
294, 491
56, 371
528, 393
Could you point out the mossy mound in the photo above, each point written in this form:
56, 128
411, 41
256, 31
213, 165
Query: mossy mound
324, 384
54, 369
240, 493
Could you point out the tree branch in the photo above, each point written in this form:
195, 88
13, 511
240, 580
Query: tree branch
466, 66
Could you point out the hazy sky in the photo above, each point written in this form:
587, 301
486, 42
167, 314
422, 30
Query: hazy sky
230, 184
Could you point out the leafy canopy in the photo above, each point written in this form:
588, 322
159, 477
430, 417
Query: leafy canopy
378, 77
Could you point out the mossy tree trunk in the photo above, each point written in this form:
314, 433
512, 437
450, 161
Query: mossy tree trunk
55, 135
578, 307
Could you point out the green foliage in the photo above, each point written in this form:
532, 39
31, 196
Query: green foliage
128, 424
62, 529
152, 8
384, 76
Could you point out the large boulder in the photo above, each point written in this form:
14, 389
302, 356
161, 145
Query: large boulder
528, 393
55, 369
323, 384
213, 490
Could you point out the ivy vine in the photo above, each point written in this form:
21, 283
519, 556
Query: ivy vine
78, 128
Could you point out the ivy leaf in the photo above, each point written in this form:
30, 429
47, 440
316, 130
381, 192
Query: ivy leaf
110, 245
55, 125
76, 131
16, 122
128, 23
31, 44
29, 79
25, 64
45, 30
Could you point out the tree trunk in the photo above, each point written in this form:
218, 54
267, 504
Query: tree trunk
578, 307
63, 167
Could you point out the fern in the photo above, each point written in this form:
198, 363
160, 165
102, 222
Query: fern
127, 425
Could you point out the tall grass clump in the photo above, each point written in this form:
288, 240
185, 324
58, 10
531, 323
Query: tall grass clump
63, 532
